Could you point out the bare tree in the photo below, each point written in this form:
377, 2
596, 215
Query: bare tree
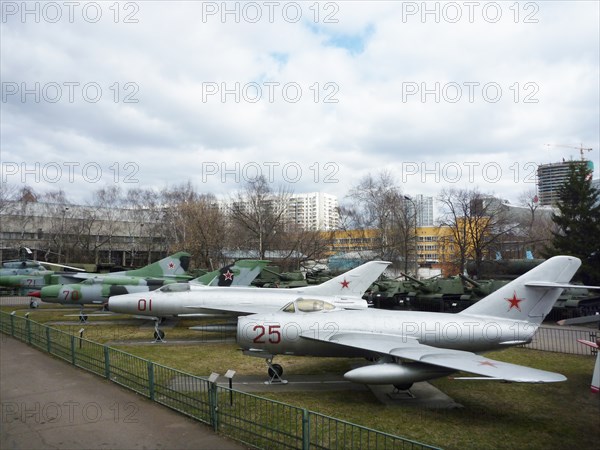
206, 234
105, 212
175, 227
455, 205
16, 209
9, 194
537, 229
258, 215
59, 235
378, 204
476, 221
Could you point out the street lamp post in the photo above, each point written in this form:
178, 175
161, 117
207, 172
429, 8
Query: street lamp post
62, 235
415, 246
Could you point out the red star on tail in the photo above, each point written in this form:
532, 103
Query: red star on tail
228, 275
345, 283
171, 265
514, 302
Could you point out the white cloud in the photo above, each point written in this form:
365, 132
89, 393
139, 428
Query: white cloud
368, 64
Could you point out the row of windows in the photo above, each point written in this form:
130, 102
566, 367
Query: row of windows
38, 236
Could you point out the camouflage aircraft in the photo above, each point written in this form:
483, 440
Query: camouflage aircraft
97, 290
173, 268
26, 274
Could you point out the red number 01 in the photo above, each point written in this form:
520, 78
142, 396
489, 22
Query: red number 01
142, 304
274, 334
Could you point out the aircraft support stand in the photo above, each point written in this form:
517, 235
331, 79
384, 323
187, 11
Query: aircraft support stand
275, 371
159, 334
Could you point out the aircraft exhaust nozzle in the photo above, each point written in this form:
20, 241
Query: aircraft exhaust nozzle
392, 373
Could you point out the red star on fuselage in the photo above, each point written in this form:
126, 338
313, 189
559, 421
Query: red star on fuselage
228, 275
487, 363
514, 302
345, 283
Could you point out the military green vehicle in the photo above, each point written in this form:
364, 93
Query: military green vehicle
440, 294
482, 288
270, 276
391, 293
575, 303
572, 302
501, 269
320, 276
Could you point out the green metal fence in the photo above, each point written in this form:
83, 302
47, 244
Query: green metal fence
253, 420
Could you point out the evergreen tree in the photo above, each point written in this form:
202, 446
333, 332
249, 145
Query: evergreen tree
578, 222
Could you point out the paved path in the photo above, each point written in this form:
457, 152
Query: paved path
49, 404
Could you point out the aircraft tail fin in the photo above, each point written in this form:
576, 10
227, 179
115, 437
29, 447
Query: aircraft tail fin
171, 266
352, 283
531, 296
241, 273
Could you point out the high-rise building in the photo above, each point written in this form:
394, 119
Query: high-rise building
551, 177
313, 211
424, 210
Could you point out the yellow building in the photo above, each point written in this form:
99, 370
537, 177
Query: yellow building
434, 244
345, 241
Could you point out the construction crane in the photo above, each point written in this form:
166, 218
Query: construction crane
581, 148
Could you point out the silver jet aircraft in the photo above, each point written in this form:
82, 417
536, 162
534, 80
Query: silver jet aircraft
414, 346
97, 290
344, 291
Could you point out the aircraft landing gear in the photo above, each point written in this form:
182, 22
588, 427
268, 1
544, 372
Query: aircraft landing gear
403, 387
159, 335
275, 372
82, 316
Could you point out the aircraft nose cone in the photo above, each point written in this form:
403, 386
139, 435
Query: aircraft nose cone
120, 304
49, 292
36, 294
10, 281
112, 304
244, 332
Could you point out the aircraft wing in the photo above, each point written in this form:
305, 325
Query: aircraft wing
78, 277
409, 348
588, 343
549, 284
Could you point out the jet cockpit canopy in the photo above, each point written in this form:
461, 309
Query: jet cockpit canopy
306, 305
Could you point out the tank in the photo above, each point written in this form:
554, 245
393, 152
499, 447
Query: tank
481, 288
271, 277
441, 295
575, 303
391, 293
501, 269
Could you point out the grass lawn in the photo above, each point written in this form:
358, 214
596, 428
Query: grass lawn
495, 415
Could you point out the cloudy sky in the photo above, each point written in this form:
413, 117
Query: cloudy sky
314, 95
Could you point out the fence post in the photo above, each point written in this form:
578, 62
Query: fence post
28, 328
305, 429
72, 349
106, 362
150, 380
48, 342
213, 402
12, 325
